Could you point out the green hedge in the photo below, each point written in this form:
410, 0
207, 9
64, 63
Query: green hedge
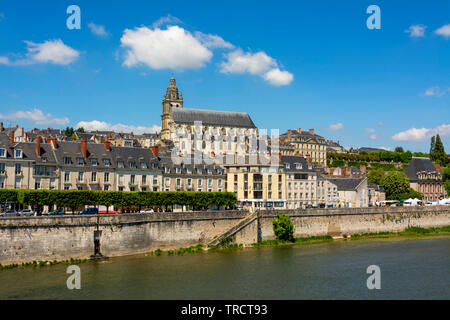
78, 198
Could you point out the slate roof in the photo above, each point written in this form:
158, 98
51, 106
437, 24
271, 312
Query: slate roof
375, 186
344, 184
418, 164
292, 160
213, 117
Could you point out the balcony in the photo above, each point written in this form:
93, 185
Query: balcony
94, 182
132, 184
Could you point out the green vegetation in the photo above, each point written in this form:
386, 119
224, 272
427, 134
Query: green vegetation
411, 231
283, 228
386, 156
77, 198
396, 184
192, 249
231, 246
437, 152
446, 179
41, 263
304, 240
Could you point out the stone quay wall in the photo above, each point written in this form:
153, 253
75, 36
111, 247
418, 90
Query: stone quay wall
24, 239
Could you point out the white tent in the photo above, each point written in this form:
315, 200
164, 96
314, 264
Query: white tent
411, 202
445, 201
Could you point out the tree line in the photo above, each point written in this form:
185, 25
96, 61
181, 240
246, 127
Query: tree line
77, 198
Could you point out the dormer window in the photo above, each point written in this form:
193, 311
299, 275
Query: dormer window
298, 166
94, 162
199, 171
209, 171
188, 170
80, 161
155, 166
120, 164
288, 166
2, 152
44, 159
166, 169
18, 154
133, 164
67, 160
106, 162
178, 170
144, 165
309, 166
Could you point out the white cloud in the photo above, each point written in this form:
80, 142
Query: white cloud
336, 127
277, 78
37, 116
212, 41
50, 51
119, 127
435, 92
258, 63
98, 30
416, 31
422, 134
172, 48
370, 130
240, 62
375, 136
167, 20
444, 31
380, 123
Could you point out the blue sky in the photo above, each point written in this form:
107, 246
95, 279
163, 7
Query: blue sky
289, 64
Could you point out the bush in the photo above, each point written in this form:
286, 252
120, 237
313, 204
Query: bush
77, 198
283, 228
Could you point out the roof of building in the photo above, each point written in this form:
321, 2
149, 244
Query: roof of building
213, 117
375, 186
418, 164
292, 161
344, 184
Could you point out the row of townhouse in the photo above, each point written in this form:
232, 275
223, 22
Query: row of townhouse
69, 165
292, 183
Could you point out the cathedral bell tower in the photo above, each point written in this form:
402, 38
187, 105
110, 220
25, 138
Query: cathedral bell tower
172, 99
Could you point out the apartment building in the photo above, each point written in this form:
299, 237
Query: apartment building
304, 143
425, 178
352, 193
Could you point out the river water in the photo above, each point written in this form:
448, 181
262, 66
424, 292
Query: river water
410, 269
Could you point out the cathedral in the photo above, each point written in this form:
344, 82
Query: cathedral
209, 131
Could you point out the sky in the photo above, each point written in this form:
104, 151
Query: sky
289, 64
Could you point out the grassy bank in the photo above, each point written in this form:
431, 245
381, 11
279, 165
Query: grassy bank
412, 232
41, 263
304, 240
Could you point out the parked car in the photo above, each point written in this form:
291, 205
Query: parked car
59, 212
9, 213
27, 213
89, 211
148, 210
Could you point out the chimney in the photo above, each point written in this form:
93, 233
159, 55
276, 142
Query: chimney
331, 140
26, 136
155, 150
38, 146
54, 142
1, 127
48, 130
109, 135
17, 126
22, 133
289, 135
279, 157
11, 137
311, 131
299, 130
107, 145
338, 143
84, 147
132, 134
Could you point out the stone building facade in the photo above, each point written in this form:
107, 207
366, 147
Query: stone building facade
302, 143
424, 178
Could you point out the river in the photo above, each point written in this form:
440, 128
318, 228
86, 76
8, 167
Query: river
410, 269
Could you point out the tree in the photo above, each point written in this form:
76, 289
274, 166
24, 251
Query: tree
432, 145
80, 130
68, 132
396, 183
374, 176
399, 149
283, 228
437, 154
